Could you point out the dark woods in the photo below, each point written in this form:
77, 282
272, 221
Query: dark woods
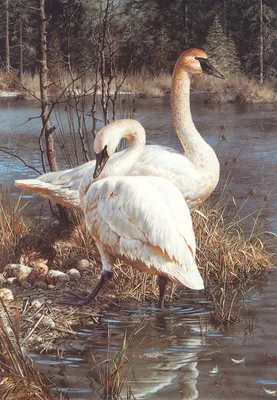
139, 34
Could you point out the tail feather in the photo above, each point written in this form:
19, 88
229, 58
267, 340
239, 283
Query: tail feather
57, 193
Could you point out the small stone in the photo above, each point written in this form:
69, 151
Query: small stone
2, 280
53, 277
6, 294
81, 264
47, 322
40, 285
51, 287
74, 274
36, 304
17, 270
12, 281
26, 285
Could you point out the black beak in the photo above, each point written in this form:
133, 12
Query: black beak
208, 68
101, 159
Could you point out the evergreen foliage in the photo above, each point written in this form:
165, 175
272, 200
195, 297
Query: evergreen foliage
148, 33
222, 50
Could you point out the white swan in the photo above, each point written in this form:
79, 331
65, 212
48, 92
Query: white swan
143, 220
195, 172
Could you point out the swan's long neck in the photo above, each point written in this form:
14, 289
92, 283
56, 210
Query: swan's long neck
195, 147
119, 165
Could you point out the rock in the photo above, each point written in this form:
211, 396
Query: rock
12, 281
38, 273
2, 280
26, 285
6, 294
81, 264
36, 304
74, 274
17, 270
40, 285
53, 277
47, 322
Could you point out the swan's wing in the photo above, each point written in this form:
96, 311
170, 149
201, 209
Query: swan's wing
137, 219
60, 186
58, 193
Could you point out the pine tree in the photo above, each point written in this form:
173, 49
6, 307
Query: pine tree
222, 50
260, 58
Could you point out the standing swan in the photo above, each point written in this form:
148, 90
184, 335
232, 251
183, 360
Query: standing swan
143, 220
195, 172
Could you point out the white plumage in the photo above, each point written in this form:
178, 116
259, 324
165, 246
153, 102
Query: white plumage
143, 220
195, 172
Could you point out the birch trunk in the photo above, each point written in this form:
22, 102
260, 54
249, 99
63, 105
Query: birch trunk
44, 85
261, 44
7, 37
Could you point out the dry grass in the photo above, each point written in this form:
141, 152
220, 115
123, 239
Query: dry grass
114, 371
146, 85
236, 89
14, 224
19, 378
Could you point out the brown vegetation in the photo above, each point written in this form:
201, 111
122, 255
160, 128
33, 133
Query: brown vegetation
234, 89
18, 377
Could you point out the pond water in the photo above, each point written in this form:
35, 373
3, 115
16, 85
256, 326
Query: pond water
180, 346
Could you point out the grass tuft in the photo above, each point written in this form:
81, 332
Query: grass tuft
19, 378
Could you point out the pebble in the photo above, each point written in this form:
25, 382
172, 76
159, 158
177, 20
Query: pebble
12, 281
2, 280
40, 285
81, 264
47, 322
53, 277
26, 285
36, 304
6, 294
74, 274
17, 270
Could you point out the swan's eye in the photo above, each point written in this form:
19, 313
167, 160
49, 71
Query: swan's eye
205, 63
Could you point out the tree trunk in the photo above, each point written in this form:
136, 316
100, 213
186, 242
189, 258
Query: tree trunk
261, 44
21, 52
225, 17
186, 27
8, 57
47, 129
44, 85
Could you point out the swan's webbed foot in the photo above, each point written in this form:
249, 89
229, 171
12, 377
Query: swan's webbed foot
81, 298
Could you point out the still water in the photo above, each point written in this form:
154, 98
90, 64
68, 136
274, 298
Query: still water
180, 346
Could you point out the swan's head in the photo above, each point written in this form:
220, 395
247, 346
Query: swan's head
105, 144
195, 61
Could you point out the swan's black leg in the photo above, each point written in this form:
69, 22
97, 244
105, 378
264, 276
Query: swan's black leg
79, 298
162, 282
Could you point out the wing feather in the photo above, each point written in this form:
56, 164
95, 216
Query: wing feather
145, 219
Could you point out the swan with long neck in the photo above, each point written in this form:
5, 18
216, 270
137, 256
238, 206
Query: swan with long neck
143, 220
195, 172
